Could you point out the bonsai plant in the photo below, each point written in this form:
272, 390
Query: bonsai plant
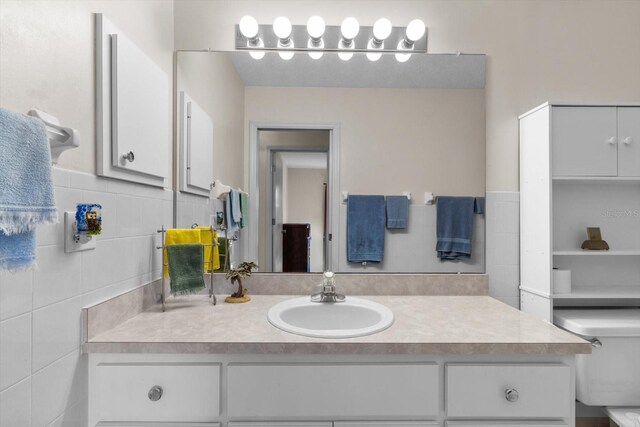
236, 275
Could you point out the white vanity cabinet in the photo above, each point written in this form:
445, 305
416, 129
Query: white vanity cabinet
328, 390
595, 141
579, 168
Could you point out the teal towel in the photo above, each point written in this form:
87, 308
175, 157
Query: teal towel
26, 188
454, 227
186, 264
365, 228
244, 208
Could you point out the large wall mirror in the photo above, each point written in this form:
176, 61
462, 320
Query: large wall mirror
301, 135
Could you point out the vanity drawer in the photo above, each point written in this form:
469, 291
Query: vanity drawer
333, 390
538, 390
189, 392
504, 424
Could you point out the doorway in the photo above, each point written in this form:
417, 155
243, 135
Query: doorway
297, 208
293, 183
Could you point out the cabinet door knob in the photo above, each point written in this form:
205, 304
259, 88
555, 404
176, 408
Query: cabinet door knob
511, 395
595, 343
612, 140
155, 393
129, 156
627, 141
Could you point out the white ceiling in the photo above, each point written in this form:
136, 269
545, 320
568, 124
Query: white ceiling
442, 71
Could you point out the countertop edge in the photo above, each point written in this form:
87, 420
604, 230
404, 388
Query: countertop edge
335, 348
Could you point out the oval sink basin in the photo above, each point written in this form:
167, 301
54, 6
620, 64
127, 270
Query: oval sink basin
355, 317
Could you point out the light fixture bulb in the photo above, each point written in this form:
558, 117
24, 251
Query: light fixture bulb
282, 27
286, 54
372, 45
345, 56
403, 57
249, 27
415, 30
312, 44
315, 27
350, 28
257, 54
382, 29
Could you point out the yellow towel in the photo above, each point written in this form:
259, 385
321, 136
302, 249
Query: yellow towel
208, 237
176, 236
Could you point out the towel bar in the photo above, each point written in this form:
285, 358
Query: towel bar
60, 138
165, 262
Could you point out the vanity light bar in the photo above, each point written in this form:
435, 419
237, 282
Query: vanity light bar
398, 40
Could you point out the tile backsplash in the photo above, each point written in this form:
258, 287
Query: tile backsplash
42, 371
503, 246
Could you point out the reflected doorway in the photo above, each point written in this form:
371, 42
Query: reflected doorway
296, 177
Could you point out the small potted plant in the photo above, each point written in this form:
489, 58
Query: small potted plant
236, 275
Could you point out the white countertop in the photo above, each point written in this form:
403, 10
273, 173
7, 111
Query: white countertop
423, 324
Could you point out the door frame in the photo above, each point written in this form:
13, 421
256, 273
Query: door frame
269, 192
333, 196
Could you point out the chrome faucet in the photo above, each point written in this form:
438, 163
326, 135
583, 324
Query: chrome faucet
328, 293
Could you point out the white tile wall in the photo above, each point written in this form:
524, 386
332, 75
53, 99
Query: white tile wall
503, 246
43, 375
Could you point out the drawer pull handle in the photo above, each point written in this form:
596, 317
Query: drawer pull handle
155, 393
511, 395
612, 141
627, 140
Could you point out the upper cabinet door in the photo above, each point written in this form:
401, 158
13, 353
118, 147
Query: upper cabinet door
139, 110
196, 148
629, 141
584, 141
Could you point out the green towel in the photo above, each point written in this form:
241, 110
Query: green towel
222, 249
186, 263
244, 208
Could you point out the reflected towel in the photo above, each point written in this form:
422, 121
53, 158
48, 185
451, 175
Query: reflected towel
454, 227
222, 245
232, 225
185, 268
176, 236
479, 205
26, 188
365, 228
244, 208
236, 209
397, 211
209, 237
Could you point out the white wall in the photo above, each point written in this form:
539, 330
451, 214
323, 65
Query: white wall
47, 61
571, 50
391, 140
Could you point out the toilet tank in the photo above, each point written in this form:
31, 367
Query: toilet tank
610, 376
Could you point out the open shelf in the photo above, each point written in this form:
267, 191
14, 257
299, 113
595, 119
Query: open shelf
585, 252
604, 292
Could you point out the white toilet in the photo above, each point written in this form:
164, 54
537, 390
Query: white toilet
610, 376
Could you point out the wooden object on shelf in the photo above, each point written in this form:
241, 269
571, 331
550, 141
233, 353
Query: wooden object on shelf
594, 242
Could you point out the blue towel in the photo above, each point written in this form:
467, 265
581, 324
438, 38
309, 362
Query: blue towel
365, 228
26, 190
454, 227
397, 211
236, 209
232, 225
17, 251
478, 205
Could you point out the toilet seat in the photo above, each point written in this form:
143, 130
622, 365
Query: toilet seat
620, 415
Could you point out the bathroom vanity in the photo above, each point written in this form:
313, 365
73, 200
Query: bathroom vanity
464, 360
